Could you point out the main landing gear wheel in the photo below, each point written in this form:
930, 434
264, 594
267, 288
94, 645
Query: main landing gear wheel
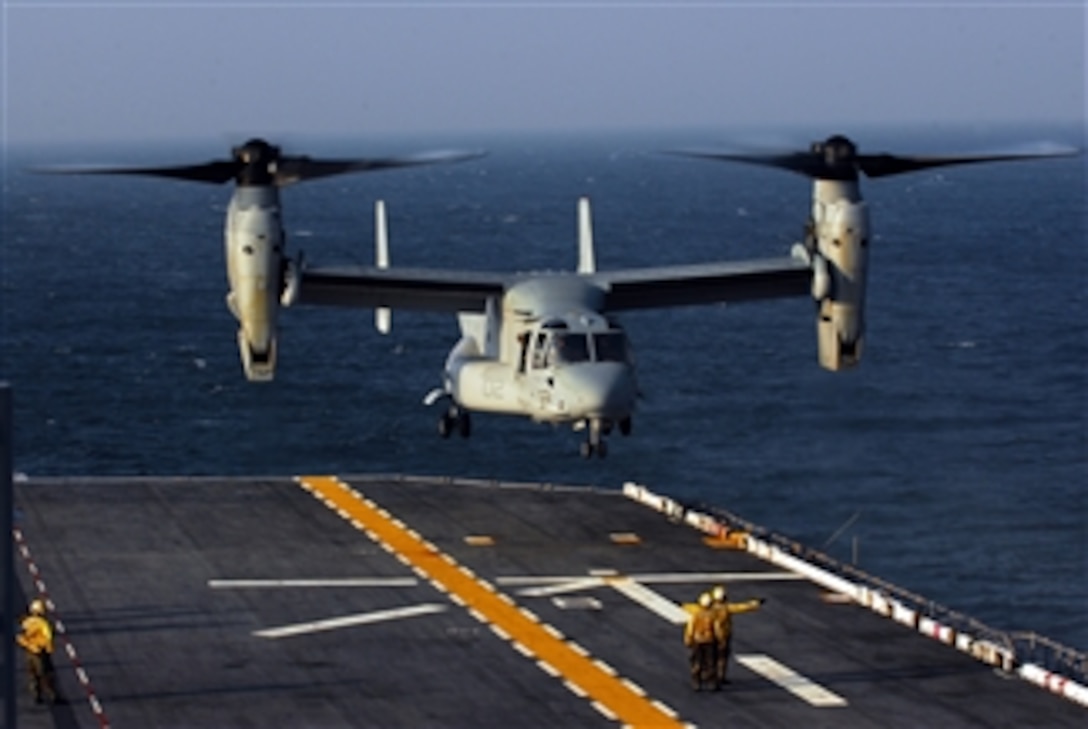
587, 449
455, 419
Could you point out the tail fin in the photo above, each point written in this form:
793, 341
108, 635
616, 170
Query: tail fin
383, 317
587, 261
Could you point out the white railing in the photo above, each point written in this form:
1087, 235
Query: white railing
1035, 658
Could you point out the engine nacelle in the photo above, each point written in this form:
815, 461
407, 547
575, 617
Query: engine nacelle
255, 269
842, 241
254, 301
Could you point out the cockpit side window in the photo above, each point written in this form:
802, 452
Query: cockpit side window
540, 347
523, 351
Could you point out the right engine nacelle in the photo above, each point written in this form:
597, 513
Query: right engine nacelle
842, 241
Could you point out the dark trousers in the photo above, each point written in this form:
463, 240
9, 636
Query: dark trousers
702, 663
725, 649
42, 683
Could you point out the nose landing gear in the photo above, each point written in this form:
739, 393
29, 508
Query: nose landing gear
587, 449
596, 429
595, 443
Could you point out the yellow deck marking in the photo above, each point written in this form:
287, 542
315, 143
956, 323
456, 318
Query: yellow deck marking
625, 538
479, 540
574, 668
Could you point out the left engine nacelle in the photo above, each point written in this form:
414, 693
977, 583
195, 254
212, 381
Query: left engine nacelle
254, 248
842, 241
254, 301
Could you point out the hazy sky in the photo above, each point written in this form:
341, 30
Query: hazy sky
151, 70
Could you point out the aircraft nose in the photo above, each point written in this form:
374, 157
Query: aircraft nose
601, 389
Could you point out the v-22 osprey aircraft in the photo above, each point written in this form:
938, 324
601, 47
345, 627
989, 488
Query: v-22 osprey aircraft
547, 345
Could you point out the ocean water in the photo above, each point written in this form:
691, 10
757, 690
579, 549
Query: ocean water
958, 448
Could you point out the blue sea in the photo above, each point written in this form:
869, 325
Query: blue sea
955, 455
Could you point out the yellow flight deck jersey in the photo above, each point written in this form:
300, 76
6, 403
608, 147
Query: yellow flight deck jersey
724, 611
37, 635
700, 628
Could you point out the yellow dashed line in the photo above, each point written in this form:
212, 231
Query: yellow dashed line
579, 672
552, 631
547, 668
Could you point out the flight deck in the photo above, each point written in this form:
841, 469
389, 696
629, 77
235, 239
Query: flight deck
391, 601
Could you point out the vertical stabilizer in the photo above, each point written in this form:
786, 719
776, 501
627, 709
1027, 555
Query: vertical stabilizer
383, 317
587, 261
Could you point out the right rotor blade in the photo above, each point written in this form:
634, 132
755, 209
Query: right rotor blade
882, 165
299, 168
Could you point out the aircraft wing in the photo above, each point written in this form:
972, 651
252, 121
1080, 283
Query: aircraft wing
400, 288
705, 283
638, 288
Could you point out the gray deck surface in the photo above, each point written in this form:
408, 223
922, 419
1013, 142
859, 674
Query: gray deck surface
128, 564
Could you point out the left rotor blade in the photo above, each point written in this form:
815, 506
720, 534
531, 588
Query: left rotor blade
214, 172
297, 169
804, 163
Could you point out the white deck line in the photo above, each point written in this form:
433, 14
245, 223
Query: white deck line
803, 688
287, 631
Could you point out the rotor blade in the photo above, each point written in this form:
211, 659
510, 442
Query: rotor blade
297, 169
215, 172
803, 163
882, 165
819, 166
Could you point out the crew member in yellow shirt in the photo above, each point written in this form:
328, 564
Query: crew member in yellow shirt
37, 641
701, 637
723, 611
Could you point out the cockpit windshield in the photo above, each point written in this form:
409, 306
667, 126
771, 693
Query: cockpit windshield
554, 346
574, 347
610, 347
571, 348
